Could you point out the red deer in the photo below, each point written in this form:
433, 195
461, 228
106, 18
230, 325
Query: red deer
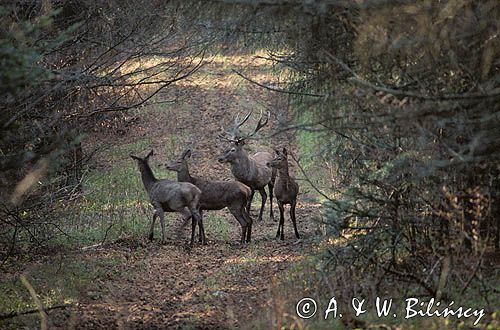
216, 195
286, 191
170, 196
250, 170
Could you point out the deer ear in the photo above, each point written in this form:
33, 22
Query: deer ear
186, 154
284, 151
277, 151
150, 154
134, 157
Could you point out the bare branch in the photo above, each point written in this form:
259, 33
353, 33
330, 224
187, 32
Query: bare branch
276, 89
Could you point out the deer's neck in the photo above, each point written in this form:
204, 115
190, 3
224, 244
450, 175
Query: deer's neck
242, 167
148, 178
184, 176
283, 171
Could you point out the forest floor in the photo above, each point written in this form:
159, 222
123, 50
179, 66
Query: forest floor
134, 283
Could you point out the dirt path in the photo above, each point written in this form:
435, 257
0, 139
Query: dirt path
223, 284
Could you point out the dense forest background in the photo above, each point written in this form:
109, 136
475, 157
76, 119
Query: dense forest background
394, 107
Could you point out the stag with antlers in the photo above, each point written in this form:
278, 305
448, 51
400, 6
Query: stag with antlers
250, 170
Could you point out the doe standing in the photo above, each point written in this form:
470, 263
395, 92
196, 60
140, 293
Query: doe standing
216, 195
170, 196
285, 190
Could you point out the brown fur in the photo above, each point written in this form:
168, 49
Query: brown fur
216, 195
252, 171
170, 196
286, 191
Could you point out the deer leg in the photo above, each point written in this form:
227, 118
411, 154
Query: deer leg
249, 203
201, 229
292, 216
186, 215
271, 191
249, 223
243, 234
161, 214
204, 240
249, 233
281, 229
271, 188
263, 196
236, 212
193, 230
196, 215
152, 228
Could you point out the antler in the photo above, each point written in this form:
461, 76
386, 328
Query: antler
232, 134
238, 125
260, 124
235, 137
224, 136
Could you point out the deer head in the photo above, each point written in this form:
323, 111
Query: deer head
280, 160
234, 134
237, 139
180, 163
148, 177
231, 153
142, 161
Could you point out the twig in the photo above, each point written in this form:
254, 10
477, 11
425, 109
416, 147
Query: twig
44, 324
106, 233
309, 180
449, 97
357, 79
150, 96
31, 311
274, 89
422, 283
91, 246
432, 269
478, 266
